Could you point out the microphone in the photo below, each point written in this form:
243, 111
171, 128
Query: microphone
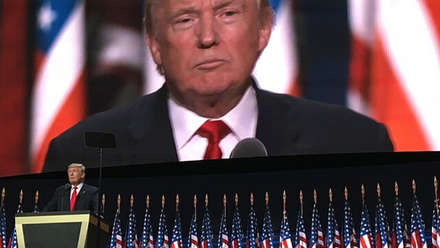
67, 186
249, 147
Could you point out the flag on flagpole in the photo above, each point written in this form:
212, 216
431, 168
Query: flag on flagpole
267, 232
300, 233
13, 239
176, 239
348, 231
277, 68
131, 238
162, 232
316, 235
116, 236
401, 85
3, 241
381, 225
285, 236
417, 225
147, 231
237, 231
252, 232
58, 94
333, 236
365, 234
206, 235
193, 240
400, 233
434, 225
223, 237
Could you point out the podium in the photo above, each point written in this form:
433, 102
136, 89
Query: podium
76, 229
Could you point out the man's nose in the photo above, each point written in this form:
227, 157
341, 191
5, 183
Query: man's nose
208, 35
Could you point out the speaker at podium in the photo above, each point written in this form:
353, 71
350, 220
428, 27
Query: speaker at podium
76, 229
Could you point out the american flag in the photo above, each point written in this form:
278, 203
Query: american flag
365, 235
300, 233
316, 236
252, 233
267, 232
3, 242
131, 239
400, 233
176, 239
381, 225
438, 228
13, 238
285, 237
348, 231
223, 237
434, 225
333, 237
116, 238
162, 232
193, 240
417, 225
206, 236
147, 232
237, 231
58, 95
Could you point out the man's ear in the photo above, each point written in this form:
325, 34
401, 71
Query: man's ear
153, 45
265, 29
83, 175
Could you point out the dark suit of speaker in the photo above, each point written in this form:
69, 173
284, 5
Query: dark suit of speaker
286, 126
87, 199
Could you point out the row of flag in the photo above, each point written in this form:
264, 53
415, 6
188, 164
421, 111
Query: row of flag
383, 234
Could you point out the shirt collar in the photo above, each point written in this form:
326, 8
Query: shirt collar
241, 119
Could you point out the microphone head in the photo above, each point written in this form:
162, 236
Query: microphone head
249, 147
67, 186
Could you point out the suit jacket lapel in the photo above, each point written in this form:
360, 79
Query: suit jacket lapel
151, 130
276, 126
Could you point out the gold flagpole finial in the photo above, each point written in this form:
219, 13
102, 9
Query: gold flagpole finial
330, 195
118, 201
252, 199
236, 199
177, 202
3, 195
131, 201
206, 201
266, 198
224, 202
436, 188
315, 197
363, 193
103, 202
284, 202
301, 197
195, 206
147, 201
163, 201
396, 188
346, 193
37, 196
378, 189
20, 197
414, 186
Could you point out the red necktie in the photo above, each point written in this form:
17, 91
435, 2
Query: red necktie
73, 198
214, 131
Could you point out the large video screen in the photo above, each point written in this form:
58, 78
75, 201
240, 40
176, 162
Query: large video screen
63, 61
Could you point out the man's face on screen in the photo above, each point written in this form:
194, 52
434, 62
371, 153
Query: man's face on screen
76, 176
207, 47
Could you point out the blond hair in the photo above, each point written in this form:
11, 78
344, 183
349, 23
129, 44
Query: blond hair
77, 165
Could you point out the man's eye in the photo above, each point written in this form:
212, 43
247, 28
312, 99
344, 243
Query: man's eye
230, 13
185, 20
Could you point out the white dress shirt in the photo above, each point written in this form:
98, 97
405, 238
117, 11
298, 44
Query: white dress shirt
78, 189
242, 120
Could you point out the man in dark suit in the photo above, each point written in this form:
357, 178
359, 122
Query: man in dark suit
206, 50
76, 195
